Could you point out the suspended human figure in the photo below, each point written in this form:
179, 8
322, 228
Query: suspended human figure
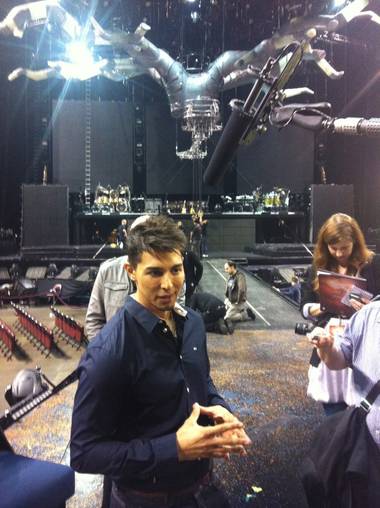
192, 97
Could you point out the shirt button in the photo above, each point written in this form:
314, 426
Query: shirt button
188, 389
165, 330
180, 357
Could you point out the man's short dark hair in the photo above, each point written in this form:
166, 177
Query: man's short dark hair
231, 263
156, 234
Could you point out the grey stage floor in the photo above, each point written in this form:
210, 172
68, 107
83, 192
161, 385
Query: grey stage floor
272, 311
261, 370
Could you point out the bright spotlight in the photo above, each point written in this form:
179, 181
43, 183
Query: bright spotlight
78, 53
194, 16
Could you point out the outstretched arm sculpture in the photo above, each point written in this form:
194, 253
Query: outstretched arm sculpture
32, 14
192, 97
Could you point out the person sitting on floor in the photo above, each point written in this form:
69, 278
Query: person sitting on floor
122, 233
212, 310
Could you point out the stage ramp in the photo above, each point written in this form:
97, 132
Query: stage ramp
272, 310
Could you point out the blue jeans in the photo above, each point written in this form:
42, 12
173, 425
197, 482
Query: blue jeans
204, 247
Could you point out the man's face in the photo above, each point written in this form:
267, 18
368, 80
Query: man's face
158, 279
228, 269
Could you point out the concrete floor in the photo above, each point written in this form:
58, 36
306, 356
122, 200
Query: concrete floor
261, 370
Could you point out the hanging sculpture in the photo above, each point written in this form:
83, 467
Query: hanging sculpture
194, 98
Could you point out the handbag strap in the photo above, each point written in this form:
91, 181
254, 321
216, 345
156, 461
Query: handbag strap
366, 403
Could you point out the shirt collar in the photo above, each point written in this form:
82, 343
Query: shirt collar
146, 318
181, 311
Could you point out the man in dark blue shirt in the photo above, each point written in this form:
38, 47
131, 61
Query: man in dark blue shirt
145, 397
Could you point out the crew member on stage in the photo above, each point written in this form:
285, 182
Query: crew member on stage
204, 243
145, 399
122, 233
193, 273
236, 296
196, 236
180, 226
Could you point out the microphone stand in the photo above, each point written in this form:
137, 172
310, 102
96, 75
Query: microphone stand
99, 250
258, 99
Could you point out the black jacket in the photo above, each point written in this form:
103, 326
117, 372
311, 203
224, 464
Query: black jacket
193, 269
342, 469
209, 306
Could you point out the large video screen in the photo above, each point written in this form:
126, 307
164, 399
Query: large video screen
111, 144
279, 158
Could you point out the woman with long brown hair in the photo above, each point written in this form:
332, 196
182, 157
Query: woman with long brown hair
340, 248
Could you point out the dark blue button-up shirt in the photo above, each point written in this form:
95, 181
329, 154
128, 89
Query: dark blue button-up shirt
137, 386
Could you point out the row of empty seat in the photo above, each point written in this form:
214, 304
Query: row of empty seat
69, 329
7, 340
35, 331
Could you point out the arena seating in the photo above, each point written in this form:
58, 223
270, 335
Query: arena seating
67, 328
7, 340
38, 334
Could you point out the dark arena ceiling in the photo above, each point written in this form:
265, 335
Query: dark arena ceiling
204, 27
194, 32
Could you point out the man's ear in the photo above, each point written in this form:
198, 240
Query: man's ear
130, 271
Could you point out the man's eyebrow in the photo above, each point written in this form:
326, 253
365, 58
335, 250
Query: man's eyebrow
153, 267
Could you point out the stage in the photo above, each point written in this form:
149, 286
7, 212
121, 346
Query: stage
226, 231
